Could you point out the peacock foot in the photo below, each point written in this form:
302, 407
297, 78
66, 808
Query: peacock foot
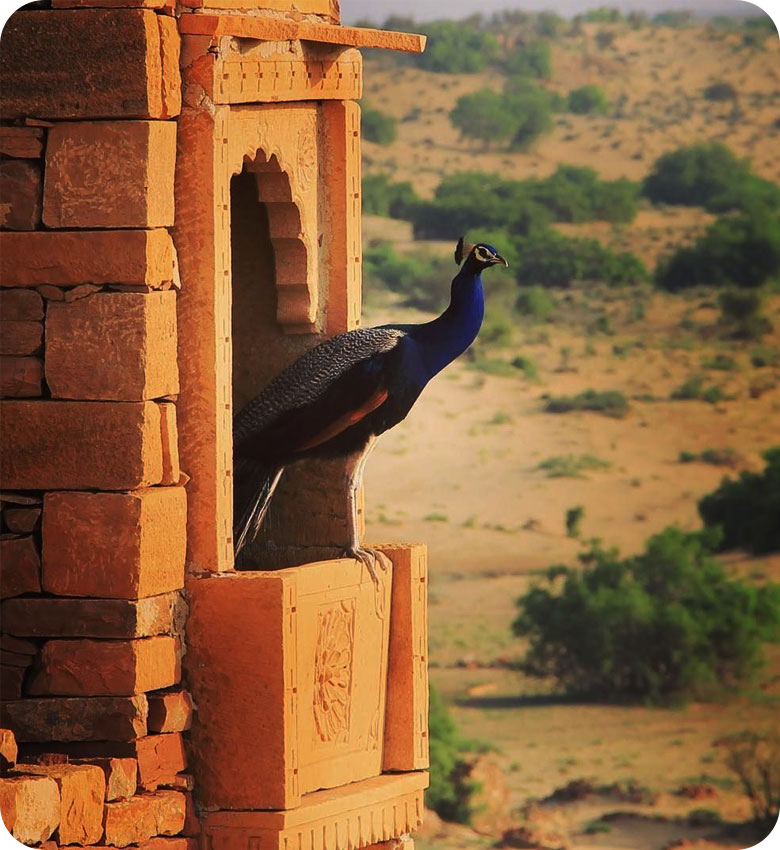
370, 558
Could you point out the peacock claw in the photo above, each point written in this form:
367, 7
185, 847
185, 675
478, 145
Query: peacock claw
369, 558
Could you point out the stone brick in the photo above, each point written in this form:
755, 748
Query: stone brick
406, 714
303, 630
170, 444
170, 712
97, 618
160, 758
21, 142
83, 290
11, 681
82, 796
20, 338
132, 257
144, 816
110, 174
22, 520
117, 545
21, 377
50, 293
8, 749
106, 668
20, 194
76, 718
115, 346
121, 775
80, 445
21, 571
9, 643
30, 806
94, 63
14, 659
23, 305
170, 50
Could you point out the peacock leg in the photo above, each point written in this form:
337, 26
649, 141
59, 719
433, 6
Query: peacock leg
370, 558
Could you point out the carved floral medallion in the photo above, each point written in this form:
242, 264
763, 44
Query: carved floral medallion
333, 671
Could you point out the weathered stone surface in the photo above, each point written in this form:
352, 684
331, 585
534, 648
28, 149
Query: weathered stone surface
11, 681
160, 758
20, 194
80, 444
132, 257
30, 806
106, 667
20, 338
117, 545
82, 796
110, 174
71, 65
21, 142
142, 817
14, 659
121, 775
21, 571
170, 50
51, 293
22, 520
170, 443
76, 718
83, 290
8, 749
23, 305
115, 346
9, 643
100, 618
21, 377
170, 712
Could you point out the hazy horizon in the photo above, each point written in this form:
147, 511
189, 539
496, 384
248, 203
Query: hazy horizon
422, 10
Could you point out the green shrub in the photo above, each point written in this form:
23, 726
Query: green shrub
667, 623
741, 313
483, 115
763, 356
449, 792
588, 100
533, 59
572, 466
382, 197
377, 126
747, 508
527, 366
720, 362
755, 758
720, 91
454, 48
531, 108
609, 402
714, 457
536, 303
573, 520
693, 388
423, 280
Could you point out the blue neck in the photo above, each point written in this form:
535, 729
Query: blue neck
447, 337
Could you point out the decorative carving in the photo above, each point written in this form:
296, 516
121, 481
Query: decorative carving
333, 671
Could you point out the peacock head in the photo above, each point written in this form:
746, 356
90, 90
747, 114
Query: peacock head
478, 257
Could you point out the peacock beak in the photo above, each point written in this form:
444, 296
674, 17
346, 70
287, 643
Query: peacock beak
498, 259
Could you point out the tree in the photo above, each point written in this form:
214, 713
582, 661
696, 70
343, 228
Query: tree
382, 197
483, 115
531, 107
378, 126
455, 48
588, 100
531, 60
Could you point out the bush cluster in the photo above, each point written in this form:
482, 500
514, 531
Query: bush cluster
588, 100
667, 623
377, 126
423, 280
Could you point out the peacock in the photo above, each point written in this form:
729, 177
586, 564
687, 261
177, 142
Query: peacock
336, 399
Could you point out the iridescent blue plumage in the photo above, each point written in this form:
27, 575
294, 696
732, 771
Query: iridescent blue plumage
339, 397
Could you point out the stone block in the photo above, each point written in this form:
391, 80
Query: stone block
121, 775
356, 815
117, 346
170, 444
21, 571
11, 681
21, 305
170, 712
90, 63
308, 668
116, 545
76, 718
170, 51
82, 797
106, 667
110, 174
21, 377
22, 520
20, 194
406, 718
97, 618
140, 818
129, 257
21, 142
20, 338
80, 445
8, 749
30, 806
14, 659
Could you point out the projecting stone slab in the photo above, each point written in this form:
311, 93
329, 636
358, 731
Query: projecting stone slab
91, 63
80, 445
76, 718
113, 345
170, 712
99, 618
106, 667
116, 545
110, 174
44, 258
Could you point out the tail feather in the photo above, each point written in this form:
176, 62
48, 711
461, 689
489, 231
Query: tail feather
253, 486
